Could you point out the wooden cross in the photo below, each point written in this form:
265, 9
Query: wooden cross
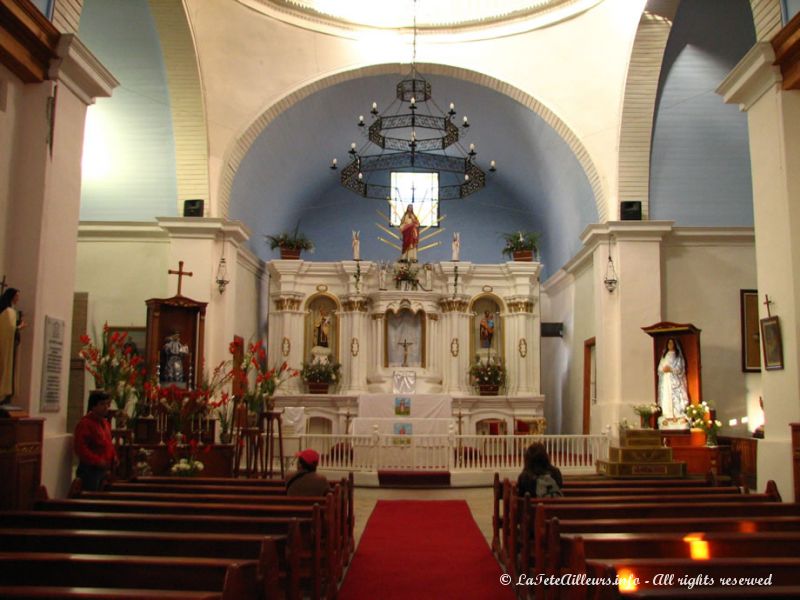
3, 285
767, 302
405, 344
180, 273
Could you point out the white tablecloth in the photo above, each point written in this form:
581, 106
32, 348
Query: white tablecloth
402, 426
414, 406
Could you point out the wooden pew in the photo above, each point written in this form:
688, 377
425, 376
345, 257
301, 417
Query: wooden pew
762, 573
502, 491
195, 523
537, 513
570, 552
235, 579
271, 483
50, 592
324, 545
269, 551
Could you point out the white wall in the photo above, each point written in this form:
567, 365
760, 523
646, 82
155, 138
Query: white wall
702, 277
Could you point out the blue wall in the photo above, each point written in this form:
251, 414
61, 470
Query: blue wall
284, 179
136, 120
700, 162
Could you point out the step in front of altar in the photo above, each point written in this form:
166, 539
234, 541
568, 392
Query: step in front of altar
640, 454
645, 470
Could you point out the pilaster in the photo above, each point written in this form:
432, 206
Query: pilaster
354, 345
772, 117
454, 331
624, 352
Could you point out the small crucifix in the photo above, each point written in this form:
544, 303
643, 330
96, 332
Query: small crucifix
767, 302
180, 273
405, 344
3, 285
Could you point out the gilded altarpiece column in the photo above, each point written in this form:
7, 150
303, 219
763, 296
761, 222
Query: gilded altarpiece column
286, 327
522, 323
454, 335
355, 343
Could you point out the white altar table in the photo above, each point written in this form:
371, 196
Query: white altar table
415, 406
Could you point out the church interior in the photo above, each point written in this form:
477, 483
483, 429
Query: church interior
414, 236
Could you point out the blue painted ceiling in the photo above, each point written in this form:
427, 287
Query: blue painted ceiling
285, 180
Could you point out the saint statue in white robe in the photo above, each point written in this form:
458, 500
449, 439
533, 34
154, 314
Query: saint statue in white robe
673, 394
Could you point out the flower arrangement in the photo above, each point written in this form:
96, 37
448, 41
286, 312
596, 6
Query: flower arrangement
646, 410
320, 372
186, 467
222, 409
258, 398
699, 416
520, 241
487, 372
406, 272
115, 366
182, 406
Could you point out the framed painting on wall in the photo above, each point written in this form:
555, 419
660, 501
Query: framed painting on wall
773, 345
751, 339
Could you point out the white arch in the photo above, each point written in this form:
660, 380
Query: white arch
243, 142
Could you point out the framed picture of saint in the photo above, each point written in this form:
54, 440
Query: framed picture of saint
773, 345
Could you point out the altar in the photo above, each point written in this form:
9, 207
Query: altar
460, 313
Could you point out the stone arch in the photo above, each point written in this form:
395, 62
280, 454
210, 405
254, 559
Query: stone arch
638, 108
246, 139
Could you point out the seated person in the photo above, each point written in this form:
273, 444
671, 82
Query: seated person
306, 481
539, 478
93, 445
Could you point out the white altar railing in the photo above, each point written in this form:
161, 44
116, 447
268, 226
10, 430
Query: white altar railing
454, 453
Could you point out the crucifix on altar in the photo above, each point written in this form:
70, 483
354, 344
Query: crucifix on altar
405, 344
175, 333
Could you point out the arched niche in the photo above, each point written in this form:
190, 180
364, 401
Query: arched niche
321, 331
404, 338
486, 327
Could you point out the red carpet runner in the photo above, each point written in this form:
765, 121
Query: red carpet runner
423, 550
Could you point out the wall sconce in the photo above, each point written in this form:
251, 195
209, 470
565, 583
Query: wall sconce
610, 280
222, 272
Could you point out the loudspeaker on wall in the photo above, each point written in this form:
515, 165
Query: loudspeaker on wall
193, 208
630, 210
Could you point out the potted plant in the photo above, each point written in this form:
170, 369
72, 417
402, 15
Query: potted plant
290, 244
406, 276
320, 375
521, 245
488, 376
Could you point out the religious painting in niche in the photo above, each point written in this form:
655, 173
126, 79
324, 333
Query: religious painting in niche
773, 345
751, 340
321, 330
405, 339
487, 329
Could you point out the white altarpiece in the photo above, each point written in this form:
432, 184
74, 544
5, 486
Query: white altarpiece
440, 329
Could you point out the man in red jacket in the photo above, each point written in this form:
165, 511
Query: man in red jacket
93, 445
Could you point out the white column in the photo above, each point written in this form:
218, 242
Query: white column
454, 332
355, 343
772, 117
287, 322
521, 346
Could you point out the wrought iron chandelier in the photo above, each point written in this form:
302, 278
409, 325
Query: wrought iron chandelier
417, 137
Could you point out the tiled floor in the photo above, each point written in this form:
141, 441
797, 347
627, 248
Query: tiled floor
479, 501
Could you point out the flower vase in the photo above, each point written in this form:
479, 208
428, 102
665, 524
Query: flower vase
697, 437
523, 255
488, 389
711, 438
289, 253
225, 437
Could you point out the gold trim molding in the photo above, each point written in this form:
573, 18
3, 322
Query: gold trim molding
286, 346
287, 304
453, 305
356, 305
354, 347
523, 347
